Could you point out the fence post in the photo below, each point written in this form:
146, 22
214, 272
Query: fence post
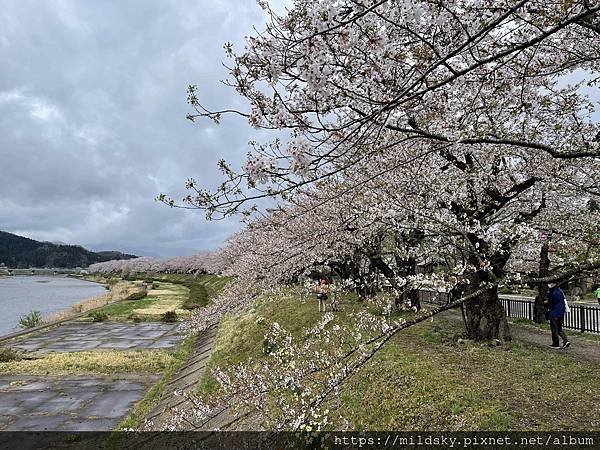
530, 310
508, 307
582, 318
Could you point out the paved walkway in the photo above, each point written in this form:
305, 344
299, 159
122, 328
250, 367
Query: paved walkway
80, 403
67, 404
581, 348
84, 403
74, 337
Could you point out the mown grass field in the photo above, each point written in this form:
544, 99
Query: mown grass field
201, 289
168, 297
163, 298
426, 379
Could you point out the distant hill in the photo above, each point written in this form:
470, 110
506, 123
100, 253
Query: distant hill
21, 253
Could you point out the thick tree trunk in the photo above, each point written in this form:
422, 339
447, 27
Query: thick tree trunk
484, 315
378, 263
408, 266
414, 299
539, 310
414, 293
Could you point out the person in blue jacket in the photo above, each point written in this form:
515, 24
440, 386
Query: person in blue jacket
556, 313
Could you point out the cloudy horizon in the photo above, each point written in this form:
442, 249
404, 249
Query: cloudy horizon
93, 128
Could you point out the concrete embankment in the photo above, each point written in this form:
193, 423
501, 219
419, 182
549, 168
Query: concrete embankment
77, 375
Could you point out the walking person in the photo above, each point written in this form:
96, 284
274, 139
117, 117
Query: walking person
597, 293
322, 293
556, 312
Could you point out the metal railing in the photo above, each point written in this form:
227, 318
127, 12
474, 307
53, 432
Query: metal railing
581, 317
584, 318
438, 298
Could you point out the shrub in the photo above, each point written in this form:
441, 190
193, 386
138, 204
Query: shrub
169, 316
197, 298
137, 295
33, 319
98, 316
155, 285
9, 354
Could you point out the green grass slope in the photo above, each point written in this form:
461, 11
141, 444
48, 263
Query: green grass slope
426, 379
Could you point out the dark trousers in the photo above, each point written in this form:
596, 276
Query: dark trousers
556, 324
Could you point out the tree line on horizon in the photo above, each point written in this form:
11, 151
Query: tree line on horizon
19, 252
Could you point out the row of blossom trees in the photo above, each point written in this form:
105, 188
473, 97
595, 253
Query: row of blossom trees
449, 133
198, 263
452, 130
455, 135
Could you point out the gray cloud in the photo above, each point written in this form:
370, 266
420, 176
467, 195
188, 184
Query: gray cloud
92, 119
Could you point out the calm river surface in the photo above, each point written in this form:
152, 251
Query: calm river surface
21, 294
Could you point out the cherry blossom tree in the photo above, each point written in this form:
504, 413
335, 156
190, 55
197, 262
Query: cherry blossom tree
454, 132
466, 116
199, 263
483, 230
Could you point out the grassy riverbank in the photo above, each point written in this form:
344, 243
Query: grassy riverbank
428, 377
88, 349
117, 291
180, 293
159, 299
202, 288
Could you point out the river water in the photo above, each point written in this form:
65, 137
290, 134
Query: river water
21, 294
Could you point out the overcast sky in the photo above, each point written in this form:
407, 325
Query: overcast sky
92, 119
